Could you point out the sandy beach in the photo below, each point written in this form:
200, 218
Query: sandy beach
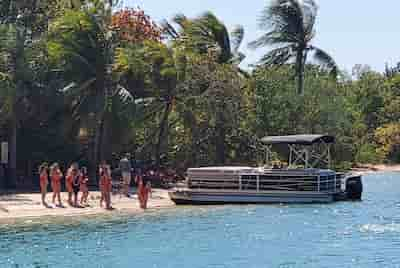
366, 168
28, 205
18, 206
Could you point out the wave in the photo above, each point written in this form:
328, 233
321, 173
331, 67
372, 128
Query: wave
381, 228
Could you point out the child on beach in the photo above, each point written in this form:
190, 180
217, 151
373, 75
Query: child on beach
83, 181
44, 181
56, 175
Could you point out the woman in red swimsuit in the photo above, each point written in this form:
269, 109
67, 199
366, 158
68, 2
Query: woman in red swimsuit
83, 185
56, 175
107, 186
72, 185
102, 182
44, 181
68, 183
143, 191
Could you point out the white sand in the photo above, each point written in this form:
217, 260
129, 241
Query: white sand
17, 206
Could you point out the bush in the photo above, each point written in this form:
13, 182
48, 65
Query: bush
368, 154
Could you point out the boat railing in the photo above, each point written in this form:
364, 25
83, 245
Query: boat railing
259, 182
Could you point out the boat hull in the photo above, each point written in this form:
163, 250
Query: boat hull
201, 197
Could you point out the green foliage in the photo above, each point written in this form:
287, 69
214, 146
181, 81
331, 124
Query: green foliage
369, 153
80, 92
290, 28
388, 137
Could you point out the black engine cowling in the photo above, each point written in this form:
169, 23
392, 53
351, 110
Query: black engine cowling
354, 187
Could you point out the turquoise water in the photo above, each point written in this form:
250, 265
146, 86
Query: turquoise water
359, 234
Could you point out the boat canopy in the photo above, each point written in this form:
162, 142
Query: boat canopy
298, 139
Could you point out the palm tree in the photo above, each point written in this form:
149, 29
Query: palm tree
207, 33
80, 44
204, 35
290, 28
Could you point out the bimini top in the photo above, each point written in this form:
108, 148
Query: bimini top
298, 139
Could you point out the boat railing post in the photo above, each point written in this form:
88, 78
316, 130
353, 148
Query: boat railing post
240, 182
334, 187
258, 183
319, 177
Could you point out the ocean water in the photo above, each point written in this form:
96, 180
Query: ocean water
345, 234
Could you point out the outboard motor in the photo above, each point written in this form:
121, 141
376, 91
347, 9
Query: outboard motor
354, 187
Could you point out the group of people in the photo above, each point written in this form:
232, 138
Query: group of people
77, 179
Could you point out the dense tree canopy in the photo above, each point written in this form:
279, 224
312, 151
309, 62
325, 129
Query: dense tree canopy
84, 81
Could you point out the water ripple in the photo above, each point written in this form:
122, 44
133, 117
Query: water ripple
344, 234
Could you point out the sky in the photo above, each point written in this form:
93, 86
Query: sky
352, 31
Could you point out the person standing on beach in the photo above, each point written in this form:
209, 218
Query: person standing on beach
102, 167
126, 169
143, 191
75, 185
44, 181
83, 181
69, 179
56, 176
105, 184
146, 193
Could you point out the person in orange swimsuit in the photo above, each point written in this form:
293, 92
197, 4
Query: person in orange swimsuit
146, 193
44, 181
107, 186
83, 186
143, 191
102, 167
68, 183
56, 176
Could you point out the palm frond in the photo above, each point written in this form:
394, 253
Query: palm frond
278, 56
287, 21
310, 10
237, 58
272, 38
181, 20
207, 32
325, 60
169, 30
236, 36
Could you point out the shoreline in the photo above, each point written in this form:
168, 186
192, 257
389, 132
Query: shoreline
27, 206
369, 168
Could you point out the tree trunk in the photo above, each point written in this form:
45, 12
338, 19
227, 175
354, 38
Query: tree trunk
12, 173
18, 62
220, 139
300, 62
163, 128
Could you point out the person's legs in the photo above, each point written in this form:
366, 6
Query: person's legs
69, 197
75, 199
84, 197
126, 178
54, 193
43, 189
102, 198
44, 198
108, 200
59, 198
145, 198
139, 195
